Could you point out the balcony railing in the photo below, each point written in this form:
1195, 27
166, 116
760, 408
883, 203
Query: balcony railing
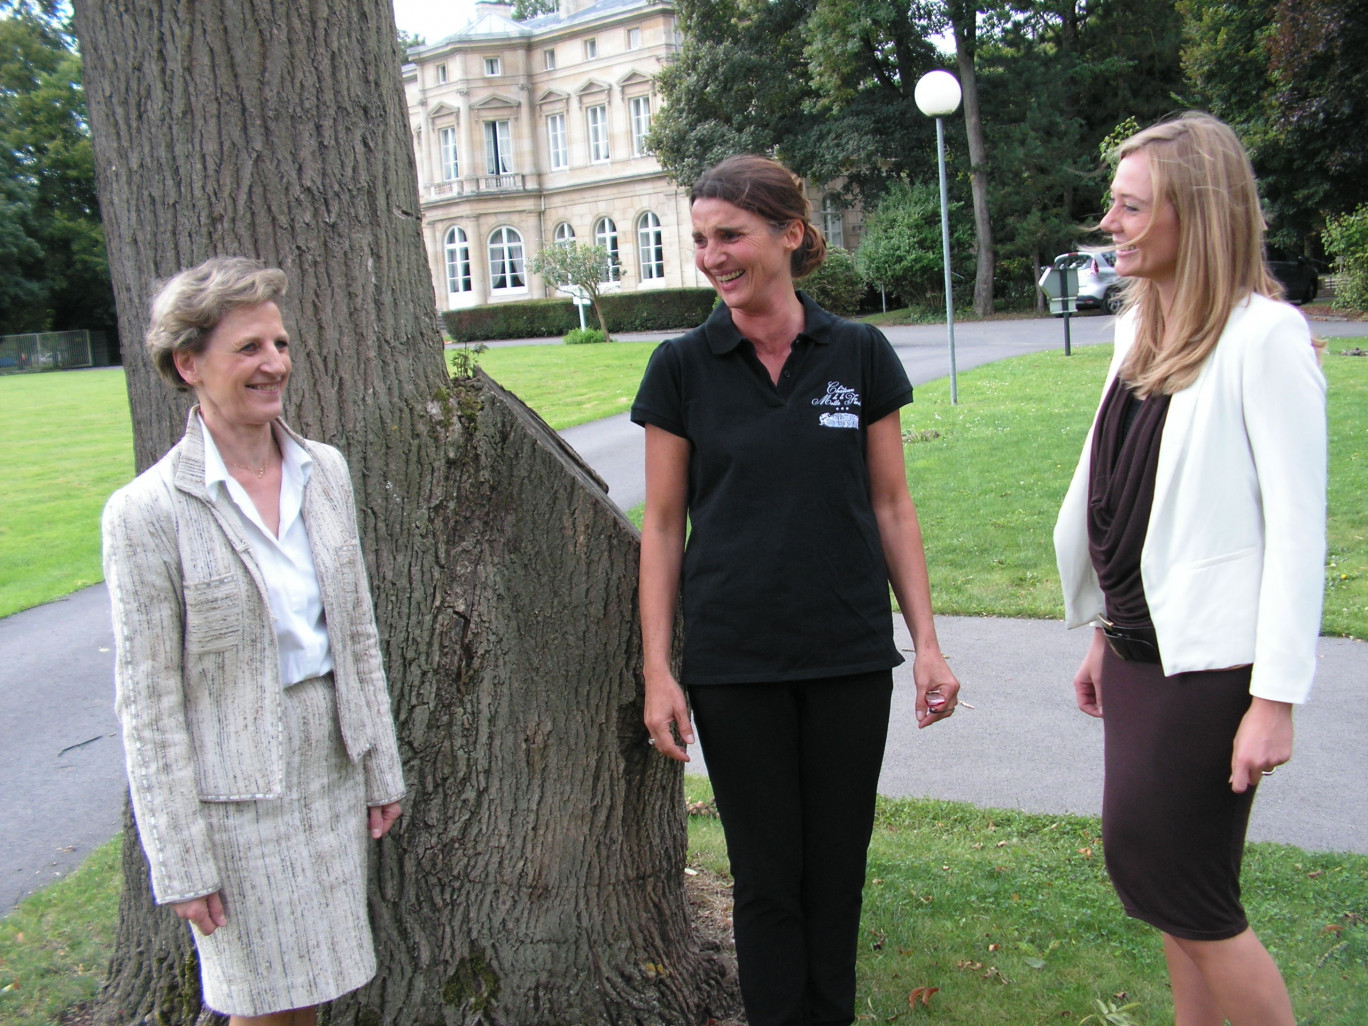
477, 184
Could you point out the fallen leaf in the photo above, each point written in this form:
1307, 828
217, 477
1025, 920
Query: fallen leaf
1332, 928
994, 947
1085, 852
1002, 844
968, 966
879, 941
9, 987
922, 994
690, 872
1314, 875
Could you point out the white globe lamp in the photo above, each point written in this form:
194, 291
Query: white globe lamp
937, 94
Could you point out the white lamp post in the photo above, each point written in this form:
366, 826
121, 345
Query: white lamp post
938, 95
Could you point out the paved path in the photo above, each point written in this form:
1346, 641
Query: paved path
1022, 746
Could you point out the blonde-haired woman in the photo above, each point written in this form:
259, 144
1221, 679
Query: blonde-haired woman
256, 722
1192, 539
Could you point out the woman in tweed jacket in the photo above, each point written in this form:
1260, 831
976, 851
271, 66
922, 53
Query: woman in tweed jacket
256, 723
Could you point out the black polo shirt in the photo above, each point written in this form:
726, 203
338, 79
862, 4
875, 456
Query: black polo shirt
784, 575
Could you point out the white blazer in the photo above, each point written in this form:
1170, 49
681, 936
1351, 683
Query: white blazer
1233, 564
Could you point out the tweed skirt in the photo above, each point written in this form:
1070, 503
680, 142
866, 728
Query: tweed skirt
293, 875
1173, 831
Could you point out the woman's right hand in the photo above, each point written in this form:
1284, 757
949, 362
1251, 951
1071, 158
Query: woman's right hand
666, 713
206, 913
1087, 681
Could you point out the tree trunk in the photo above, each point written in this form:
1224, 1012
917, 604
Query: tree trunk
964, 22
537, 873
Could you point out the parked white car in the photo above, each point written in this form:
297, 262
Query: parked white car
1099, 286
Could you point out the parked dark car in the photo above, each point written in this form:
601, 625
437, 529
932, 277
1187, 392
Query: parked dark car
1298, 276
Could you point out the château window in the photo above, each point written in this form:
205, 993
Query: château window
605, 235
640, 108
634, 39
555, 142
457, 249
498, 147
565, 234
833, 224
493, 66
598, 134
506, 260
446, 141
650, 246
590, 49
549, 59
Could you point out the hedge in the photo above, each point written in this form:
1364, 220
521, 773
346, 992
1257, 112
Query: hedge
653, 310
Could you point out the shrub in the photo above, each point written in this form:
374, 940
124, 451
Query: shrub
1346, 238
901, 247
584, 336
650, 310
836, 285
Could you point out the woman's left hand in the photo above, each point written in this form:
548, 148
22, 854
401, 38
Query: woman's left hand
382, 817
937, 688
1262, 744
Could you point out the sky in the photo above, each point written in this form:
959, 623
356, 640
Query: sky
433, 19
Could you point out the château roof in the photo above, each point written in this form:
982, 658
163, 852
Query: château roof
491, 24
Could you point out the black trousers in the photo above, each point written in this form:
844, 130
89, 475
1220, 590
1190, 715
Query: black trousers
795, 767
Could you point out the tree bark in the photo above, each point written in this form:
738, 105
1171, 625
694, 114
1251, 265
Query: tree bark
537, 873
964, 24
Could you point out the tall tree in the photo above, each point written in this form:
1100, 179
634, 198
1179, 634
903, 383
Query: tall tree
53, 271
537, 874
736, 86
964, 18
525, 9
1320, 106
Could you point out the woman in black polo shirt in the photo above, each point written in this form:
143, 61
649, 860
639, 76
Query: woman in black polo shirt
773, 430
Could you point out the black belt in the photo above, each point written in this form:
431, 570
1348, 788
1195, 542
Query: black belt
1133, 644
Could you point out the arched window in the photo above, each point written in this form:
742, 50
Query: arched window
506, 260
605, 235
833, 226
565, 234
650, 246
457, 249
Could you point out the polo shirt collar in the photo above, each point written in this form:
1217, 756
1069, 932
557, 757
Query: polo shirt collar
723, 337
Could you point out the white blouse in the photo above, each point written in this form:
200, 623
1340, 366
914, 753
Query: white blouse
286, 561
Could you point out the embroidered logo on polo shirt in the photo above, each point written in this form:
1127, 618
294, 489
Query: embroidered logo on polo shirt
843, 398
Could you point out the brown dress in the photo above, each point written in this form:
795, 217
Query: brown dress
1172, 830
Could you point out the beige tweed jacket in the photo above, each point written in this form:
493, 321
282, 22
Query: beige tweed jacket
197, 675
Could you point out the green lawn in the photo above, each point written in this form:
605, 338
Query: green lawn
67, 443
569, 385
55, 946
1010, 915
